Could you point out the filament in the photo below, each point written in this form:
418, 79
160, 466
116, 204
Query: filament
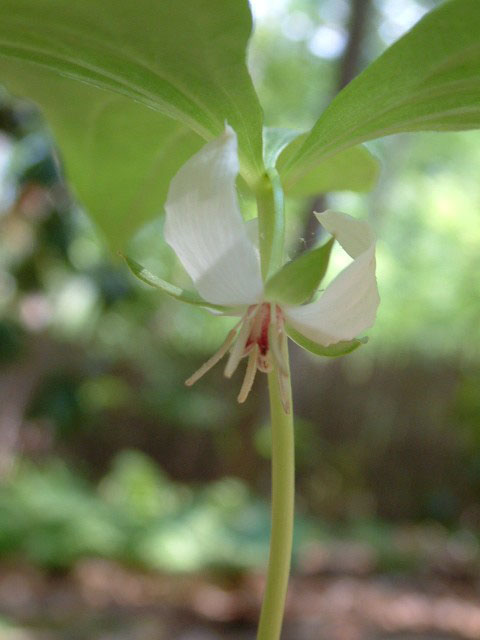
284, 392
283, 376
263, 340
275, 337
211, 362
238, 350
249, 375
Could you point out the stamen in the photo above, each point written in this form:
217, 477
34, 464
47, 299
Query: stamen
283, 376
239, 347
284, 393
249, 375
275, 337
263, 340
211, 362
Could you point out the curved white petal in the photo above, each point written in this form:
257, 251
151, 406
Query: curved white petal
205, 228
349, 304
355, 236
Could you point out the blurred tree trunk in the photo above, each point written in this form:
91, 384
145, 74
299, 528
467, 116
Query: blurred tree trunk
17, 386
348, 68
350, 63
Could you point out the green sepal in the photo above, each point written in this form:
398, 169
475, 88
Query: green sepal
172, 290
332, 351
297, 281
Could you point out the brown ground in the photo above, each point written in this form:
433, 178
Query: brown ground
102, 601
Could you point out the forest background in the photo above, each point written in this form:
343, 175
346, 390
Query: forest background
112, 472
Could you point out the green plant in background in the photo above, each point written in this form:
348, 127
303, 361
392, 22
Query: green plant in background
137, 517
186, 62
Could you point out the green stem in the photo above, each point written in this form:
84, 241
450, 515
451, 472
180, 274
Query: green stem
283, 489
271, 222
271, 226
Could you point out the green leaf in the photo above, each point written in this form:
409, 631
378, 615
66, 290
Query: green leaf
332, 351
354, 169
183, 59
275, 139
170, 289
119, 156
297, 281
428, 80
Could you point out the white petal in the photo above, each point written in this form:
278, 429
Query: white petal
355, 236
205, 228
349, 304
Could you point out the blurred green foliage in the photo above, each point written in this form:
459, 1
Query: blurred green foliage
51, 517
136, 516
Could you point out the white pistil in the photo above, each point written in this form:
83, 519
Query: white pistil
211, 362
249, 375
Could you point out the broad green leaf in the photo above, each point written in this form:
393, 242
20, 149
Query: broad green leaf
354, 169
428, 80
119, 156
184, 59
298, 280
178, 293
332, 351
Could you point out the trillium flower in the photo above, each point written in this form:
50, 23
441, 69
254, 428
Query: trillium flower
217, 248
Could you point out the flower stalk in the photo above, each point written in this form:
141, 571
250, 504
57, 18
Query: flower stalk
272, 239
283, 489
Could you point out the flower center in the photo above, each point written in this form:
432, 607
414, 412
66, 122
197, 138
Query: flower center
259, 330
260, 336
